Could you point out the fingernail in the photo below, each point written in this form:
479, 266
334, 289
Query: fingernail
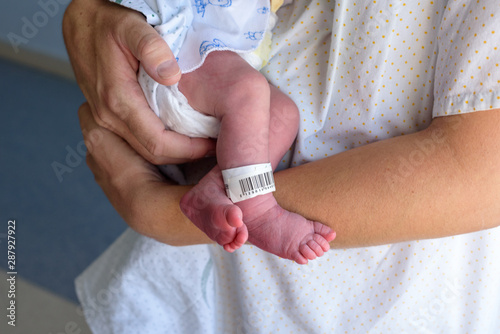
168, 69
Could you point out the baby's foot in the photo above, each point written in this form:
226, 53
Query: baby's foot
284, 233
209, 208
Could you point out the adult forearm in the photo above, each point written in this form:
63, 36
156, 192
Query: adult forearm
157, 215
439, 182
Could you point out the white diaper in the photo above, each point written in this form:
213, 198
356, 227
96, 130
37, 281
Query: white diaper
193, 29
174, 110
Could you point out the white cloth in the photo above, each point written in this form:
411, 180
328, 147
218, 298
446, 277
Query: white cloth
359, 72
172, 107
193, 29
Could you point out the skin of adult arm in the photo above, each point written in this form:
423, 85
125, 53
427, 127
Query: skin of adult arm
442, 181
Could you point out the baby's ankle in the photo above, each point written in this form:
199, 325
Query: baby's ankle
255, 207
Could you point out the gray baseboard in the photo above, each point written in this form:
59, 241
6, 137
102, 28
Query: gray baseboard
37, 60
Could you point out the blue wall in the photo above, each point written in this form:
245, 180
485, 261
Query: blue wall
34, 25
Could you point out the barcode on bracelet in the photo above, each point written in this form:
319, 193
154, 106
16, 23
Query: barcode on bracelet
256, 184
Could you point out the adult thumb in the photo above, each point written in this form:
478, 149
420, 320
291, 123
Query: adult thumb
154, 53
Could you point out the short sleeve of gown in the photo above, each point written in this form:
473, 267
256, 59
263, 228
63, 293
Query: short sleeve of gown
468, 61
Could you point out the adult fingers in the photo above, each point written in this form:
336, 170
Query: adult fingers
144, 131
164, 146
126, 112
110, 158
151, 50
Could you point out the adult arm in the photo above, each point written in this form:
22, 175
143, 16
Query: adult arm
442, 181
439, 182
105, 43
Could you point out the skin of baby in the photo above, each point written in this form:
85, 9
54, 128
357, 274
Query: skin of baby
252, 115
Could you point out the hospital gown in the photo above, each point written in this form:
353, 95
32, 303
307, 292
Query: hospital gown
360, 72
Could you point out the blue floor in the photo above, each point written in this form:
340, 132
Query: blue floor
63, 223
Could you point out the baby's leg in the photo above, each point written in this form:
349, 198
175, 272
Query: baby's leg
231, 90
278, 231
239, 96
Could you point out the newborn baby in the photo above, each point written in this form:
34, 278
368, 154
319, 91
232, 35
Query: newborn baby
222, 94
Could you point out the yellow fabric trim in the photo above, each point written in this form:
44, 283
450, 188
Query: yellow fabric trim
275, 5
264, 49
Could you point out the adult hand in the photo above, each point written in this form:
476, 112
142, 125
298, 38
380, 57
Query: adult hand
142, 196
105, 43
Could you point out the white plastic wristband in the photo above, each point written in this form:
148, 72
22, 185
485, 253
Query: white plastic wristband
248, 181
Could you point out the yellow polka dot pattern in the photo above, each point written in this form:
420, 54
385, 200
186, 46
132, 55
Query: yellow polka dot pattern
363, 71
468, 64
359, 71
447, 285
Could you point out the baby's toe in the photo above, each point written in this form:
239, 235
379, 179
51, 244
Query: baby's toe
316, 248
322, 242
299, 258
241, 237
324, 231
307, 252
229, 248
234, 216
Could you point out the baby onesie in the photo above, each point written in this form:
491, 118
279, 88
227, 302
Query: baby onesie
193, 29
